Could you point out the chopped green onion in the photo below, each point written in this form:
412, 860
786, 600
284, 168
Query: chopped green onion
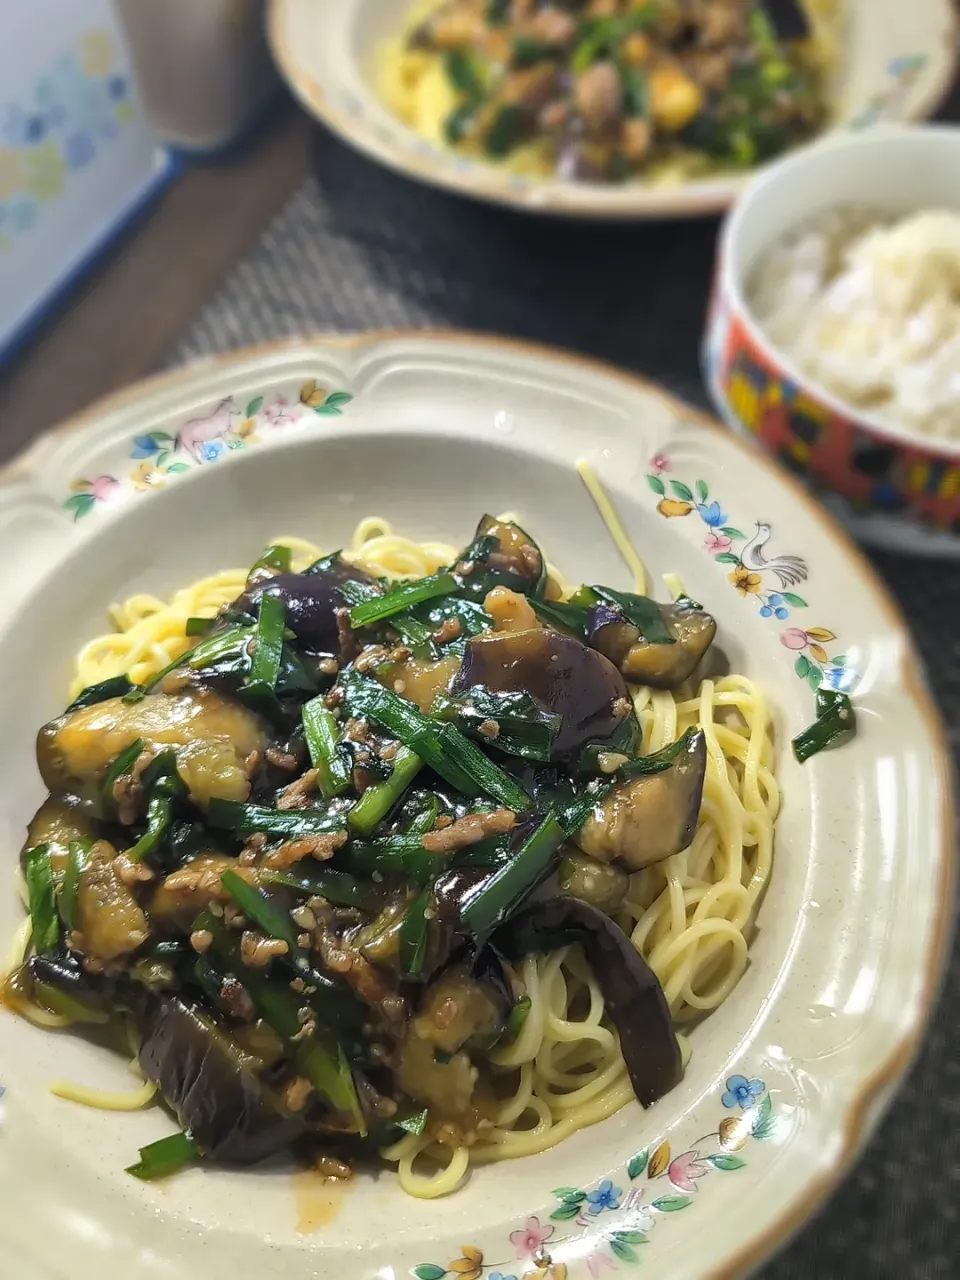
199, 626
322, 735
571, 617
324, 1066
246, 819
38, 874
526, 51
78, 855
395, 855
524, 728
412, 1121
508, 127
464, 72
123, 764
836, 723
276, 556
496, 899
377, 801
163, 785
636, 92
338, 887
441, 746
268, 646
413, 934
324, 564
115, 687
402, 597
426, 819
259, 908
232, 643
168, 1155
517, 1017
640, 612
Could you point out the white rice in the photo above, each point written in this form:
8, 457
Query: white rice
870, 310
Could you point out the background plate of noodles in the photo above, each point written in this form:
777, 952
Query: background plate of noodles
365, 70
183, 480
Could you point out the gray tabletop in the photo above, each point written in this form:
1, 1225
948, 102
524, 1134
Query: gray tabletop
359, 248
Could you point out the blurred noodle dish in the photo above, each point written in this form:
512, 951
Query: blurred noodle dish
605, 91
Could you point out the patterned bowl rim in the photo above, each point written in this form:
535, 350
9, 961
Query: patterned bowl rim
875, 1090
486, 183
789, 171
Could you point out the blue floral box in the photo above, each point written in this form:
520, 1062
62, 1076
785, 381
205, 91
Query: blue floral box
77, 159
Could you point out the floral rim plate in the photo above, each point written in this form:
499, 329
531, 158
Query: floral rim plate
197, 469
897, 62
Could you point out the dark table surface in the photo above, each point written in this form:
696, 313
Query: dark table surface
356, 248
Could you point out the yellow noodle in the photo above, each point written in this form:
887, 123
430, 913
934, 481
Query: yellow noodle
102, 1099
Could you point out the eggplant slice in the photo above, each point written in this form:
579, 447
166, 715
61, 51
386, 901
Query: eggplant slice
649, 818
311, 600
632, 994
661, 666
208, 1082
560, 673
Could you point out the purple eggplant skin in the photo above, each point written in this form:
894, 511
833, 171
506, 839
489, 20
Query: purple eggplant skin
564, 676
647, 819
632, 994
311, 601
217, 1097
661, 666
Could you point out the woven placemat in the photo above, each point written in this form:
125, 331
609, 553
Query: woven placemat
359, 248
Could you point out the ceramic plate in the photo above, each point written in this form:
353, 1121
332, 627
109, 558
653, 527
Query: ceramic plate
897, 63
196, 470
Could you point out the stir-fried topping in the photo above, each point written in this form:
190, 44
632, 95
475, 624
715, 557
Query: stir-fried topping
601, 90
297, 858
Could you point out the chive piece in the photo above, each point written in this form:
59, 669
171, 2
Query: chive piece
517, 1017
412, 1121
508, 127
164, 786
441, 746
377, 801
268, 650
571, 617
168, 1155
403, 597
38, 874
199, 626
495, 900
214, 648
245, 819
413, 935
326, 1068
123, 764
494, 851
338, 887
524, 728
276, 556
262, 911
464, 73
412, 631
78, 855
115, 687
320, 731
426, 819
396, 855
527, 52
836, 723
640, 612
